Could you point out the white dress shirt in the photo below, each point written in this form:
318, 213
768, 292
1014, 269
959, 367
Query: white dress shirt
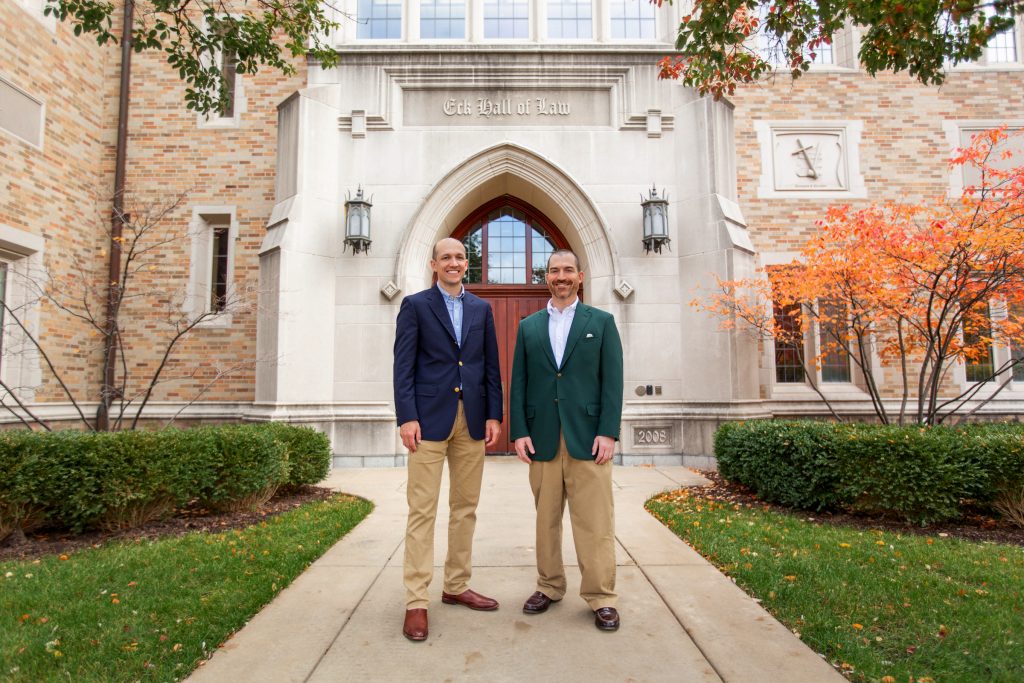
559, 324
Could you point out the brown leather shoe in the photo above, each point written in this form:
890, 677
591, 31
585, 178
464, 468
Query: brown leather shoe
606, 618
537, 603
471, 600
415, 627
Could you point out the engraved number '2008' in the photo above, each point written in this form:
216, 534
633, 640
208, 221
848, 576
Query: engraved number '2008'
651, 436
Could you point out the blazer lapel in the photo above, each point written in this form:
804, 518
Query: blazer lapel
579, 323
470, 312
545, 338
441, 311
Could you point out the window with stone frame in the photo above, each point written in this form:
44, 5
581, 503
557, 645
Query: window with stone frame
227, 114
379, 20
570, 19
228, 64
633, 19
443, 19
213, 231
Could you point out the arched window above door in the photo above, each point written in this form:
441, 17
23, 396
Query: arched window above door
507, 246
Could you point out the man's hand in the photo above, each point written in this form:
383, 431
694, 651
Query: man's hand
603, 450
523, 445
492, 430
410, 433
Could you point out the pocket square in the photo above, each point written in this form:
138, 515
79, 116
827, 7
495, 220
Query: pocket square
589, 335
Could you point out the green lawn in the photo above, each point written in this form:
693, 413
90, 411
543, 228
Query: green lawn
152, 610
880, 606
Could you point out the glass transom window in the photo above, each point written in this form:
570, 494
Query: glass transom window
379, 19
570, 19
443, 19
507, 248
632, 19
506, 19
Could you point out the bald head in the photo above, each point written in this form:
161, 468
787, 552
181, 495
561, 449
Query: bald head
447, 243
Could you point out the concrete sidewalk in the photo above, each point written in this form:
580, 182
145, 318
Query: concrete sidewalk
682, 620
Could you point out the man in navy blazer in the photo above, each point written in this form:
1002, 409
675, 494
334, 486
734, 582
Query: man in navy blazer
449, 405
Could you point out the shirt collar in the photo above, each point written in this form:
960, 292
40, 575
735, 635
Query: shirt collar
571, 307
446, 295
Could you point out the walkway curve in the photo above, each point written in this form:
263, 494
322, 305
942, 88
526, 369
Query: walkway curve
682, 620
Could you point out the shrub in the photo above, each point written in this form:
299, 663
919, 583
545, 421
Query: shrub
919, 474
113, 480
250, 465
309, 453
22, 472
789, 463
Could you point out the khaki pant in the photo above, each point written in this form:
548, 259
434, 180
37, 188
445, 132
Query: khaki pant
465, 471
588, 489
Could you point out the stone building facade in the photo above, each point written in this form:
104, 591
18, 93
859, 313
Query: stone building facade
518, 126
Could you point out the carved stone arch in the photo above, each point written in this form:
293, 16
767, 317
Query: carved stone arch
510, 169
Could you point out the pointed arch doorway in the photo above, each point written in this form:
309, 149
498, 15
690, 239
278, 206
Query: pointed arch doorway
508, 242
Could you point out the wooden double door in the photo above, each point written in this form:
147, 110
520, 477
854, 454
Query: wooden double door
508, 242
510, 305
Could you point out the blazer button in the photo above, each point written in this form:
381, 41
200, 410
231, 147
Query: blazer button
556, 400
456, 390
558, 374
460, 363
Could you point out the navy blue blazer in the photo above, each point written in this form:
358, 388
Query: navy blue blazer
430, 365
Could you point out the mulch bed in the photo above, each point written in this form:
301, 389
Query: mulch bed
185, 520
975, 525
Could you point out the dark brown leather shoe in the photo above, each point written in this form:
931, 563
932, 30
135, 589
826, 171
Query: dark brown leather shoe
537, 603
606, 618
415, 627
471, 600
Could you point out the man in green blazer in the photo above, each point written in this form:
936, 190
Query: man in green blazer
565, 406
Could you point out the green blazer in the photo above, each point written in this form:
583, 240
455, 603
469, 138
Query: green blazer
582, 399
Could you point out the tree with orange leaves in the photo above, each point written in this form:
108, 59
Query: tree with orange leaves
907, 292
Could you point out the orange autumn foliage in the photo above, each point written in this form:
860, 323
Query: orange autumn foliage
915, 289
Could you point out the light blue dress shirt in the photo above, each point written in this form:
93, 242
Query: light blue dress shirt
454, 306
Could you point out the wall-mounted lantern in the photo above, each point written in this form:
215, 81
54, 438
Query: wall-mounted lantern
357, 222
655, 221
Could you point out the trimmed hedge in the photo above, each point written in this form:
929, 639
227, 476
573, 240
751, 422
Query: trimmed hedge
110, 480
309, 453
919, 474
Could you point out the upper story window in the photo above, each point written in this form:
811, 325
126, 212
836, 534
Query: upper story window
379, 19
633, 19
506, 19
772, 48
573, 19
443, 19
229, 69
1002, 47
